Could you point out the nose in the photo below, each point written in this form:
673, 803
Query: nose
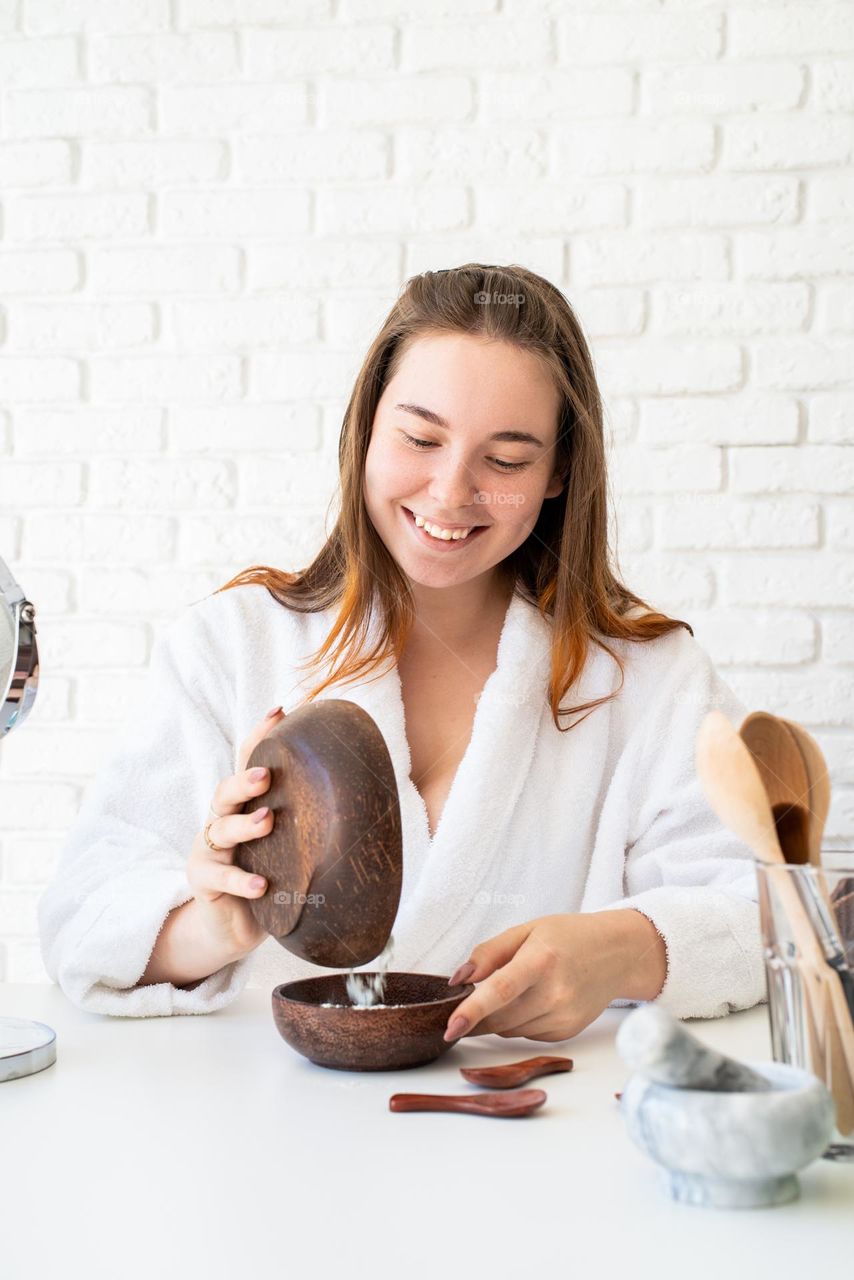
453, 485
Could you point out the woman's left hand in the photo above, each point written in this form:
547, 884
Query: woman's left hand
550, 978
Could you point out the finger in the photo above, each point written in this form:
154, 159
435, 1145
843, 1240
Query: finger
531, 1006
503, 986
258, 734
492, 954
541, 1028
232, 793
234, 829
209, 878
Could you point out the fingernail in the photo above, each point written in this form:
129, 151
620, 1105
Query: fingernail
456, 1027
465, 971
274, 712
260, 814
257, 774
257, 882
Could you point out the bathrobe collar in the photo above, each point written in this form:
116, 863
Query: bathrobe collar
443, 875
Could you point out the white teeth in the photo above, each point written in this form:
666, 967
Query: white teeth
446, 535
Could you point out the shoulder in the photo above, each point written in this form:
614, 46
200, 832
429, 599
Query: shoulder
674, 667
242, 624
247, 610
667, 656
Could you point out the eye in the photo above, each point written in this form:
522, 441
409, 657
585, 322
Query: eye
428, 444
419, 444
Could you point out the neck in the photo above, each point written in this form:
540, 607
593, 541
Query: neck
455, 616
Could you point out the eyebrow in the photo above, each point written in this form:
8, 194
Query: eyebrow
513, 436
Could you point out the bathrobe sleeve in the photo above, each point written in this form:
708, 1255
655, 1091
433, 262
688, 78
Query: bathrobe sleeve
684, 870
123, 865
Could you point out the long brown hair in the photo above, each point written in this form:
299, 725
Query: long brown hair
564, 565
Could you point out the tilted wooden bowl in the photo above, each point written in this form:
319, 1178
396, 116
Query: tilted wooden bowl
334, 858
368, 1037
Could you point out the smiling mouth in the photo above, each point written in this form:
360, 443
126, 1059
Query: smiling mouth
442, 543
438, 523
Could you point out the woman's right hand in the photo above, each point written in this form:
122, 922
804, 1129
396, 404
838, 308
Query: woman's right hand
221, 888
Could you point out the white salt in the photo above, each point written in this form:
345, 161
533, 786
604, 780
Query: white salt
328, 1004
367, 990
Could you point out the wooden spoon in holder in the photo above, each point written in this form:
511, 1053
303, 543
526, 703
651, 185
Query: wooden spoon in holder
735, 791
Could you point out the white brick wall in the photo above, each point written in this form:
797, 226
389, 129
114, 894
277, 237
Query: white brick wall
206, 207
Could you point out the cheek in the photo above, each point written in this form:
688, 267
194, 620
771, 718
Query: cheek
377, 480
514, 505
388, 474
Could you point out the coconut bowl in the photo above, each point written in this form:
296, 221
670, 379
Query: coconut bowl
333, 860
406, 1030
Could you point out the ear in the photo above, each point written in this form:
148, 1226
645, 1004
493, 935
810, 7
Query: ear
555, 486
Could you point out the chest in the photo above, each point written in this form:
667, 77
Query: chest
440, 700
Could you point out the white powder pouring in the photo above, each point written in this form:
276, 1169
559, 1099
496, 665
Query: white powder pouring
366, 990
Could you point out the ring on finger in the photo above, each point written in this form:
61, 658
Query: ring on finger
215, 847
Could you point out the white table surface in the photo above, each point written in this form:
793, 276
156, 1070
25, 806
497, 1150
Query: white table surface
204, 1146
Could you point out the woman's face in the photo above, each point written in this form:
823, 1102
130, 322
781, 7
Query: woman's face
459, 475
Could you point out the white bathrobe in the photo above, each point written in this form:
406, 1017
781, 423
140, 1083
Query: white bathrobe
609, 814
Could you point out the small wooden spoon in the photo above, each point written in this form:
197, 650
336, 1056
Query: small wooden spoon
511, 1074
478, 1104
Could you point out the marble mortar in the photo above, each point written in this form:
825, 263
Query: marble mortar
733, 1148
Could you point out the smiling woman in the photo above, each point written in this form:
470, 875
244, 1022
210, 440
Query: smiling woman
561, 856
459, 491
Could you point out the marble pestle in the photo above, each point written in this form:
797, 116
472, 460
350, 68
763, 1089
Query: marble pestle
651, 1040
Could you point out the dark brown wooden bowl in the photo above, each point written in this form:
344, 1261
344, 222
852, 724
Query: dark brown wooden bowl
334, 857
368, 1039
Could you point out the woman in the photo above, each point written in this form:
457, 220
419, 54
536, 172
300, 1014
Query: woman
560, 855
